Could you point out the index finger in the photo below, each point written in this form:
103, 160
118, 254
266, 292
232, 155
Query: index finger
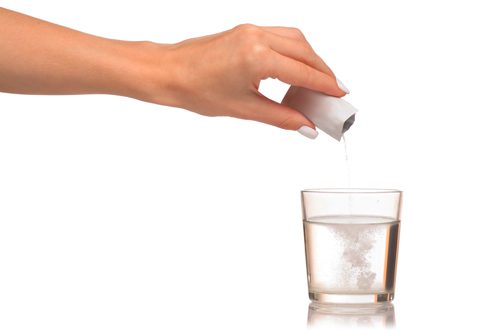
297, 73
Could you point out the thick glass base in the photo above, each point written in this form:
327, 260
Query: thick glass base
351, 298
334, 316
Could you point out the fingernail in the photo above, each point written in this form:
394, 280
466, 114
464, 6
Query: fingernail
342, 86
308, 132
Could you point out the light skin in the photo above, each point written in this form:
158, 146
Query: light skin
215, 75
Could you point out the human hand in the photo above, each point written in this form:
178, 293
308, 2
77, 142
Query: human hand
216, 75
219, 75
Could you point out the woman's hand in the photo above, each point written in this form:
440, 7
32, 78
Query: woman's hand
219, 75
216, 75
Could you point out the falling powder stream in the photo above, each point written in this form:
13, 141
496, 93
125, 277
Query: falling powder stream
348, 167
348, 172
358, 241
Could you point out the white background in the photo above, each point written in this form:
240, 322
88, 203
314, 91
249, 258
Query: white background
117, 215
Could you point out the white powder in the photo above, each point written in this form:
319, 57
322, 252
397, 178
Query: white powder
357, 242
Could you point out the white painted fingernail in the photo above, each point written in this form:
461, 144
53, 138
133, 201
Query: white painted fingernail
342, 86
308, 132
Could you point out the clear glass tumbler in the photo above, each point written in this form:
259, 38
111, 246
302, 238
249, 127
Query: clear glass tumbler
351, 242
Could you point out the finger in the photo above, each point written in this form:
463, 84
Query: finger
292, 33
266, 111
298, 50
297, 35
297, 73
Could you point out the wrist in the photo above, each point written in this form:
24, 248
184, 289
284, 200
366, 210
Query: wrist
151, 73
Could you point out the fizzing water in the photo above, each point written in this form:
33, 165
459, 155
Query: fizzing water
349, 255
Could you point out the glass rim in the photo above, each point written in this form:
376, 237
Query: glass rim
350, 190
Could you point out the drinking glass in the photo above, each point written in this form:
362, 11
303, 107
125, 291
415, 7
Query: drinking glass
351, 243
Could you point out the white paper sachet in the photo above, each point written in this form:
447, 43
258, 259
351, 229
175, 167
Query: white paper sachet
330, 114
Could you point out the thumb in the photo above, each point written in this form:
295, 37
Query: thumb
270, 112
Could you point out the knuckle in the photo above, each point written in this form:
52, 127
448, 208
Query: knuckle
257, 51
251, 50
298, 33
248, 29
244, 26
251, 46
254, 54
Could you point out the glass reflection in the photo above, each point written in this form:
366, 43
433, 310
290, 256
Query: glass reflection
377, 315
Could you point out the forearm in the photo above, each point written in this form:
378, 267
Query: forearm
37, 57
